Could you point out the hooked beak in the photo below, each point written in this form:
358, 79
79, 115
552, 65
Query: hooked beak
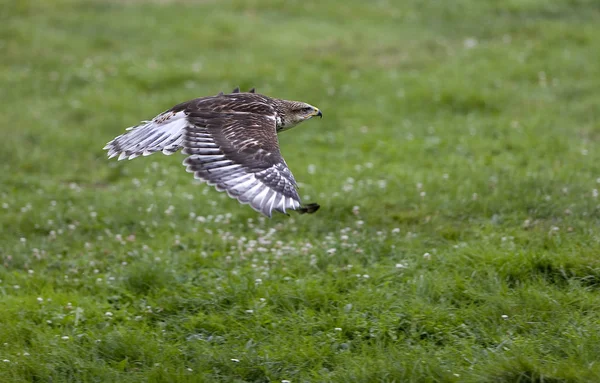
318, 113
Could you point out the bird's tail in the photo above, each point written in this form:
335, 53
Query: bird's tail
163, 134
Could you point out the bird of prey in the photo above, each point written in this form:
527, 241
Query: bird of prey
231, 143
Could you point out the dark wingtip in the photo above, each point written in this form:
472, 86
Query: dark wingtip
236, 90
309, 208
252, 90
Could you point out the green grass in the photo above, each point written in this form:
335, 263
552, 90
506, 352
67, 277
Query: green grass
456, 166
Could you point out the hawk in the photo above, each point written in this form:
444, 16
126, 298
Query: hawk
231, 143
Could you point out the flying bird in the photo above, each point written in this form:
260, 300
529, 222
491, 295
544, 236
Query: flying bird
231, 143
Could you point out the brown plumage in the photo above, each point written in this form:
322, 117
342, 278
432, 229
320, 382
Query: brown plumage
231, 143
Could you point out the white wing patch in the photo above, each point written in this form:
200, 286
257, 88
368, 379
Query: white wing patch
164, 133
209, 164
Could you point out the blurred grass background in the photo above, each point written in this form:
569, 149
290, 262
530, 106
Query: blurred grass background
455, 165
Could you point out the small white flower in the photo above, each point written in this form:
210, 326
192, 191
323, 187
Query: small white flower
505, 317
108, 314
427, 256
331, 251
6, 360
40, 299
64, 337
338, 329
470, 43
395, 230
235, 360
249, 311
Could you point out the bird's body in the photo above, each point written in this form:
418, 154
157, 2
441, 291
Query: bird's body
231, 143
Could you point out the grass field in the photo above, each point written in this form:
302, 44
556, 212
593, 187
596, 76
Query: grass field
456, 165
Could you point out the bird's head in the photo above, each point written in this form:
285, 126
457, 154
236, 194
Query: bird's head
292, 113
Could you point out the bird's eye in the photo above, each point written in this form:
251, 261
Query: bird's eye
307, 109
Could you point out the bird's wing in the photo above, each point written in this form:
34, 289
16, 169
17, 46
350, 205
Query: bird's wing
162, 134
238, 152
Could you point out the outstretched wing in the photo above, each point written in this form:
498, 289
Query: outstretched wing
164, 132
239, 153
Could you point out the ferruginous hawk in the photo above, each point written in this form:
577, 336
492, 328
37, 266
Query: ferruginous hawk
231, 143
